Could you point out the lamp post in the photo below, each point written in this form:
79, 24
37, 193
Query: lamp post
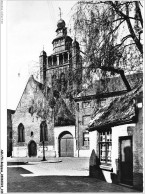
44, 159
43, 141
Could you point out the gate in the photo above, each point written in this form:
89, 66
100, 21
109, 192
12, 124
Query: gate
66, 145
32, 149
126, 160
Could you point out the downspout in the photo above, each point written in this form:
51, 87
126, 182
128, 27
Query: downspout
78, 127
78, 138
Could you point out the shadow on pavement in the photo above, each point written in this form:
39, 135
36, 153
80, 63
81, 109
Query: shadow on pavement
18, 183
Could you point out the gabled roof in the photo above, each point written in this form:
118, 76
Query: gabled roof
118, 110
62, 113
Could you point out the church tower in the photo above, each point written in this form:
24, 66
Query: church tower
62, 65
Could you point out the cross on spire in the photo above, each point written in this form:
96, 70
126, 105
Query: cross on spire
60, 14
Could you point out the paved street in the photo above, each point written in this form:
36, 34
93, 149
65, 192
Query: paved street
56, 175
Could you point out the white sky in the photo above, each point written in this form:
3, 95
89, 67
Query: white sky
30, 25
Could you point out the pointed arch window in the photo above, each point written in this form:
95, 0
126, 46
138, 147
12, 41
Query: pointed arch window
21, 133
43, 132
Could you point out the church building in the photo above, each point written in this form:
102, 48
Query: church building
46, 110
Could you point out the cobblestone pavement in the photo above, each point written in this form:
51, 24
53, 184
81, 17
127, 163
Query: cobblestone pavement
65, 175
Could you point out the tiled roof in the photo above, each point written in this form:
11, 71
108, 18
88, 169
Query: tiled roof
117, 111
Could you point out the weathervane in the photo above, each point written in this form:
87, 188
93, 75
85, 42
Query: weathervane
60, 12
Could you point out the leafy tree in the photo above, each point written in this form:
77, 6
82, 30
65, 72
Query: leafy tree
110, 33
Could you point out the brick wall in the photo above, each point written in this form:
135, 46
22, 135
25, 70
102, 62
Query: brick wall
138, 152
84, 112
9, 132
29, 112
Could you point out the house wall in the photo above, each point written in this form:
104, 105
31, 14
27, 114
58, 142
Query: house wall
108, 173
117, 132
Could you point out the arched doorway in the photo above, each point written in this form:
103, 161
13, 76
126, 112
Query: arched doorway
66, 145
32, 149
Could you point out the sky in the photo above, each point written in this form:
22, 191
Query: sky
31, 26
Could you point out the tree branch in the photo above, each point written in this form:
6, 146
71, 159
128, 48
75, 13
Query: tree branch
126, 17
126, 37
118, 19
136, 40
116, 27
139, 12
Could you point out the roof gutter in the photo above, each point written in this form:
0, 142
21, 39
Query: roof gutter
113, 124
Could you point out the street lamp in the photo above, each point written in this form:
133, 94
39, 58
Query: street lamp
43, 141
44, 159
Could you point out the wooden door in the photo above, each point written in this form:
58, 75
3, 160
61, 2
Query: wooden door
69, 148
32, 148
126, 160
66, 146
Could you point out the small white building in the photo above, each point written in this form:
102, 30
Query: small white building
118, 149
